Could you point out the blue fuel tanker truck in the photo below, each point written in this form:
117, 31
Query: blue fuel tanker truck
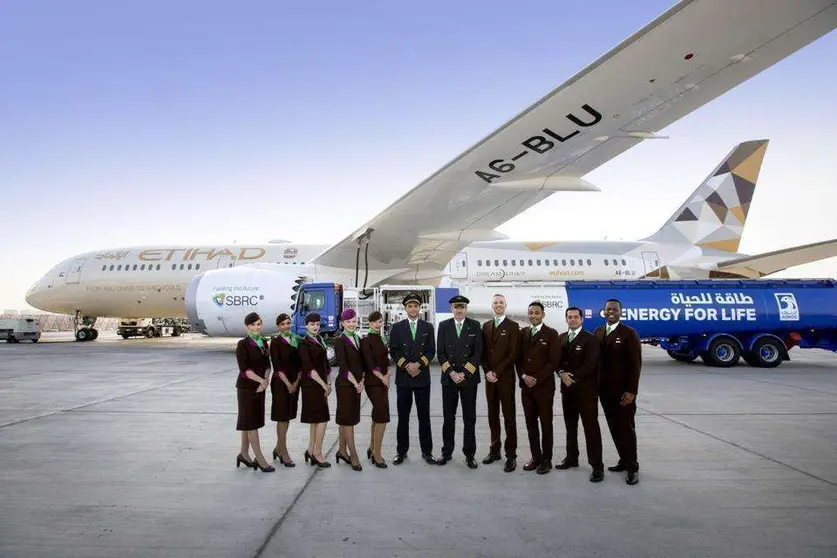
719, 320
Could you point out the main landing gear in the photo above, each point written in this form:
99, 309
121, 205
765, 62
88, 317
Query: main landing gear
83, 327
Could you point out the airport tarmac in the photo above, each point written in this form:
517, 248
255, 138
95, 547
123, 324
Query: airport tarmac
127, 448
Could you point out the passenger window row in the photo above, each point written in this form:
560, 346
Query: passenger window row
541, 263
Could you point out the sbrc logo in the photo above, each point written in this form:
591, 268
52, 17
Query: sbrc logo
236, 301
788, 308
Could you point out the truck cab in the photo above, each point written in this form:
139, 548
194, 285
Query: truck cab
330, 299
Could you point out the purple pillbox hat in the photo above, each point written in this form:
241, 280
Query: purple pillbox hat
347, 314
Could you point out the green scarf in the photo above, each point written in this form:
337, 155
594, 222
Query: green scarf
317, 338
354, 337
260, 341
374, 331
292, 338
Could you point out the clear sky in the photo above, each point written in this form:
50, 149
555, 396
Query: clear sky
127, 123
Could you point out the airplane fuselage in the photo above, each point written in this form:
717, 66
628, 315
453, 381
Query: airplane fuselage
151, 281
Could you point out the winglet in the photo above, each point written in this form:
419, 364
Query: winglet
715, 214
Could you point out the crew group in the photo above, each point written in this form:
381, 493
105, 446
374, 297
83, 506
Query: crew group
591, 367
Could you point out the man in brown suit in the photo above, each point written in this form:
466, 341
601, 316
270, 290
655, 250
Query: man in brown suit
499, 350
578, 369
621, 362
536, 366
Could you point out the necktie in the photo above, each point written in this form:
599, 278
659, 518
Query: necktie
458, 328
571, 336
413, 330
609, 329
535, 331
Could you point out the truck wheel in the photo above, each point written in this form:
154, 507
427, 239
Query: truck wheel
331, 355
682, 357
767, 353
176, 331
125, 336
722, 353
149, 333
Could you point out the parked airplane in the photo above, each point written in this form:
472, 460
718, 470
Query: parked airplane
664, 71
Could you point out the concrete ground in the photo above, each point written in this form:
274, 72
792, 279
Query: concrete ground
127, 448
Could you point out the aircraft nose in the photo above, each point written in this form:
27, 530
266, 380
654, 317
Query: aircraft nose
35, 294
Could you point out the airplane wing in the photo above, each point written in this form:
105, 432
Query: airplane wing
691, 54
771, 262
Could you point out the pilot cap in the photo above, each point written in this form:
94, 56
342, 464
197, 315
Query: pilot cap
412, 297
459, 299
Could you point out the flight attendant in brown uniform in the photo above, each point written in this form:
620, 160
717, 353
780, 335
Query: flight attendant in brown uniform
284, 387
578, 370
375, 353
252, 381
349, 385
621, 362
536, 366
316, 387
501, 337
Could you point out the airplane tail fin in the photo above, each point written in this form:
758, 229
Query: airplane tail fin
715, 214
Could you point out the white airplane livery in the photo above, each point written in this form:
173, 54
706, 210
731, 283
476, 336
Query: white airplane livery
442, 232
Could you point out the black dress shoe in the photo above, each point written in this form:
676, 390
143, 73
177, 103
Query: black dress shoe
442, 460
597, 476
544, 467
531, 465
399, 459
428, 458
491, 458
566, 464
471, 462
632, 477
618, 468
511, 465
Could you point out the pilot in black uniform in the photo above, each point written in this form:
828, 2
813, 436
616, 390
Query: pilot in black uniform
412, 345
459, 348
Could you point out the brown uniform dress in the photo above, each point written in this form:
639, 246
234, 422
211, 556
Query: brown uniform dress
621, 362
581, 359
538, 357
314, 360
250, 404
351, 362
376, 358
286, 360
499, 351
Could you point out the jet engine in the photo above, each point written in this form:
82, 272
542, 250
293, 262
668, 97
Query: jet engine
218, 300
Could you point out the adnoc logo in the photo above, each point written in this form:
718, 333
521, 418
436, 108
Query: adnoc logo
788, 307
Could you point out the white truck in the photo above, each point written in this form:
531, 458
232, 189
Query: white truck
15, 330
150, 327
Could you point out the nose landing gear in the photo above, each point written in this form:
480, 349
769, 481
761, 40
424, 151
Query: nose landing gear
83, 327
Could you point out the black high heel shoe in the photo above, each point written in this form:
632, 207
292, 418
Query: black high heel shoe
379, 464
307, 456
286, 463
369, 453
268, 469
338, 456
239, 459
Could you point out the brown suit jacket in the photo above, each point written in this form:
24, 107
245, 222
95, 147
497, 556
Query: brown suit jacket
621, 361
375, 357
349, 359
250, 357
314, 358
285, 358
538, 356
581, 359
500, 347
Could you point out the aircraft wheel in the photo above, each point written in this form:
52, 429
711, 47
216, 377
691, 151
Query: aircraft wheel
95, 333
83, 335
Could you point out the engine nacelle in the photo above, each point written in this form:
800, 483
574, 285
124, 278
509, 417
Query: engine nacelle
218, 300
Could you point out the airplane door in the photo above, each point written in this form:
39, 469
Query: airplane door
225, 261
651, 260
74, 272
459, 266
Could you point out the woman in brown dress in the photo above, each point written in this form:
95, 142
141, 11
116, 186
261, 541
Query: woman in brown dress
349, 385
284, 387
376, 359
315, 375
252, 381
